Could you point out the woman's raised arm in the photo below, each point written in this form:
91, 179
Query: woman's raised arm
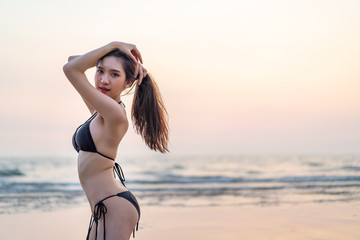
91, 108
75, 72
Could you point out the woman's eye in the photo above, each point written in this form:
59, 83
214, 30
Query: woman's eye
99, 71
114, 74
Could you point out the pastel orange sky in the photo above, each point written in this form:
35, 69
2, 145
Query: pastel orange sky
237, 77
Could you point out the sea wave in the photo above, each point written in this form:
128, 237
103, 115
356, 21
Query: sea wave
11, 172
38, 187
46, 183
351, 168
177, 179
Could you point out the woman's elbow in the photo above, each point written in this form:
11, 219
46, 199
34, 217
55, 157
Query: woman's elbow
67, 69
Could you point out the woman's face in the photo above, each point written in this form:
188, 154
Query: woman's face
110, 77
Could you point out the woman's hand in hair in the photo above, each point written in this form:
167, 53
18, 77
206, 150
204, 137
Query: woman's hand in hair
142, 74
134, 53
129, 49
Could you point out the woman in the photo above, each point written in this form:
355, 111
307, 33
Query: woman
115, 210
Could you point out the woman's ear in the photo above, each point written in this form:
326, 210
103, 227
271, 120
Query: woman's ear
129, 83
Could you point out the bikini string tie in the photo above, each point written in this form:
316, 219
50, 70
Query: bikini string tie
119, 172
99, 210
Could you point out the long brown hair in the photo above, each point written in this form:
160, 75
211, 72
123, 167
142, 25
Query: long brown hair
148, 111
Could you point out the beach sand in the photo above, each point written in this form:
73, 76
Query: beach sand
303, 221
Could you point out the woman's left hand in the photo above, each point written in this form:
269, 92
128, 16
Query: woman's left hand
134, 53
130, 49
142, 73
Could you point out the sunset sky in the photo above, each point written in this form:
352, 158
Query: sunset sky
237, 77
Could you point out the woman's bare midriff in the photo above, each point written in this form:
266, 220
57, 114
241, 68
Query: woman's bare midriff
97, 177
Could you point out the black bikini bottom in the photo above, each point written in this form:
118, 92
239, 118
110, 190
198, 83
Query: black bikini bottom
101, 210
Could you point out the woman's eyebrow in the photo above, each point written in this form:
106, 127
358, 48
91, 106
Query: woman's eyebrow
112, 70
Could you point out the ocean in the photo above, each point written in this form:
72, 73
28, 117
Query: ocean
49, 183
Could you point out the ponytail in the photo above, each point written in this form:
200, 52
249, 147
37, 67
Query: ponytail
149, 115
148, 112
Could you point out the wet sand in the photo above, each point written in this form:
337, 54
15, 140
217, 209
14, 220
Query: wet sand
303, 221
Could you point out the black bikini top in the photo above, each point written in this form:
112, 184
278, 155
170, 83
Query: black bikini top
82, 139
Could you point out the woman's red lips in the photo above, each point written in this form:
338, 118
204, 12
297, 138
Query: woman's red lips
104, 90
